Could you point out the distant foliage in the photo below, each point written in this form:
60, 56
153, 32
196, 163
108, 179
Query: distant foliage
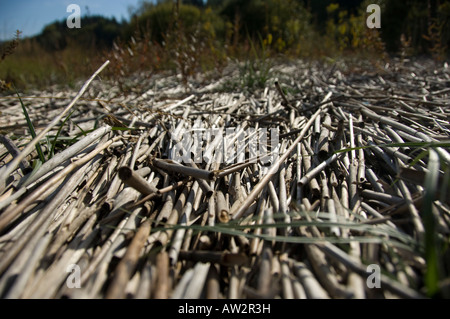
158, 20
189, 36
96, 32
6, 49
192, 36
197, 3
347, 31
425, 22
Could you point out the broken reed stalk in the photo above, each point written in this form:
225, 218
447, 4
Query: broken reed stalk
68, 153
172, 166
255, 242
184, 219
317, 259
175, 213
356, 284
15, 211
14, 151
312, 287
306, 160
162, 281
283, 96
361, 163
337, 254
97, 259
222, 258
232, 169
89, 225
239, 211
128, 263
402, 127
47, 285
49, 166
158, 193
133, 179
190, 286
202, 182
420, 229
283, 202
213, 283
222, 210
286, 283
316, 170
136, 149
273, 196
323, 138
8, 169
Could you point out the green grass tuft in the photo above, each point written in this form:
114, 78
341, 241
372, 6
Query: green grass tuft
32, 131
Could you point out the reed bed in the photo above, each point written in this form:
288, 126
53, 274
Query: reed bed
160, 193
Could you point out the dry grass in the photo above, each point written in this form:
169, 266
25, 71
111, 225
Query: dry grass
307, 228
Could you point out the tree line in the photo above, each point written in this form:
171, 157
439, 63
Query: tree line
423, 25
192, 35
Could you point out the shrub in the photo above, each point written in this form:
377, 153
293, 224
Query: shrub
8, 48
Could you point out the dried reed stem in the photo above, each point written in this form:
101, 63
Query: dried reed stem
239, 211
133, 179
8, 169
128, 263
171, 166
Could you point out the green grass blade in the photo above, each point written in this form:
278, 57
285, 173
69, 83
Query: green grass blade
406, 144
79, 127
225, 229
36, 166
32, 131
75, 139
52, 150
116, 128
372, 233
423, 154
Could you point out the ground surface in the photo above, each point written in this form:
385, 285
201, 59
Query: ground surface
109, 214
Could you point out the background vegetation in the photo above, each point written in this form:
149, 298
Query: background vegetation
190, 36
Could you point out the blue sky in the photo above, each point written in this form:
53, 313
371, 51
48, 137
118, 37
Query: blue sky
30, 16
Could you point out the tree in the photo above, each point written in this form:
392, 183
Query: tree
97, 32
424, 22
197, 3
